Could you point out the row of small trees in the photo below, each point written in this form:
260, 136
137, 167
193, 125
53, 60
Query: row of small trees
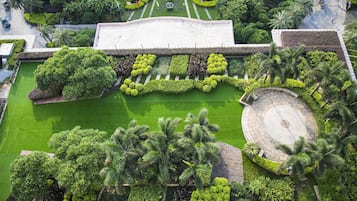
133, 155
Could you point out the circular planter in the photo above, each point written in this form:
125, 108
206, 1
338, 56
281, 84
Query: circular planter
170, 5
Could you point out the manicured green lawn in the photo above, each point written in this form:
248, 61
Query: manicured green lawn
5, 161
29, 127
178, 10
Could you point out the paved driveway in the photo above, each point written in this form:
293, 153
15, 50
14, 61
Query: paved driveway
19, 25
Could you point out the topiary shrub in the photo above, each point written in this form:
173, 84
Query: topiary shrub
130, 88
251, 64
236, 67
178, 65
143, 64
207, 4
216, 64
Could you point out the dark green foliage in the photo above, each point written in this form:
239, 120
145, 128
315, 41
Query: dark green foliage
266, 189
179, 64
316, 57
91, 11
83, 38
145, 193
79, 156
251, 64
236, 67
219, 190
349, 172
19, 47
31, 176
77, 73
251, 149
330, 185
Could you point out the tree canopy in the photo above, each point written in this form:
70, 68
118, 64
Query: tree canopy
76, 73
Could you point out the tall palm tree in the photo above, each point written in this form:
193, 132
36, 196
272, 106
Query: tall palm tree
350, 34
324, 156
122, 155
340, 142
298, 158
158, 150
33, 5
271, 65
62, 37
298, 14
325, 74
293, 58
306, 6
195, 171
46, 31
281, 20
17, 4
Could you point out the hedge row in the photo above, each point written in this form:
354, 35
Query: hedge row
212, 3
147, 193
19, 47
42, 18
219, 190
179, 64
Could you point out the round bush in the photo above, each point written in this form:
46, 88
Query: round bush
132, 85
127, 81
139, 87
128, 91
123, 87
206, 88
213, 83
134, 92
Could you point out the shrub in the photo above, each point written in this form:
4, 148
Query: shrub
143, 64
211, 3
330, 185
314, 58
197, 65
147, 193
251, 149
210, 82
251, 64
277, 189
133, 6
124, 66
172, 86
216, 64
219, 190
42, 18
178, 65
37, 94
236, 67
131, 88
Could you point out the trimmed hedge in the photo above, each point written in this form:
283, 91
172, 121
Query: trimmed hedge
19, 47
179, 64
168, 86
212, 3
219, 190
42, 18
216, 64
147, 193
130, 88
143, 64
134, 6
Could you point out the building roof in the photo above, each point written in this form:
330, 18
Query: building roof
6, 49
164, 32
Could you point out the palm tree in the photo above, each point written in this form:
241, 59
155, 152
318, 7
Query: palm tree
46, 31
293, 58
325, 74
62, 37
271, 64
298, 14
306, 6
324, 156
197, 172
298, 158
340, 142
122, 155
350, 34
158, 150
281, 20
17, 4
33, 5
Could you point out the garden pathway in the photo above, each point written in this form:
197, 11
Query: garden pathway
231, 164
187, 9
277, 117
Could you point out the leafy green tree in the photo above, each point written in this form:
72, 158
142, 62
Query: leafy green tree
79, 155
31, 176
233, 10
306, 6
324, 156
348, 173
296, 12
281, 20
84, 38
293, 58
122, 155
77, 73
298, 158
63, 37
29, 5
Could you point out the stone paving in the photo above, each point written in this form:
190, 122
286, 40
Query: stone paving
277, 117
231, 164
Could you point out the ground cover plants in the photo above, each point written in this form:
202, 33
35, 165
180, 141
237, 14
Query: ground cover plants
178, 65
197, 65
216, 64
143, 64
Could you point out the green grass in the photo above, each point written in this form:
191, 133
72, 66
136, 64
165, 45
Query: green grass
5, 161
202, 13
213, 12
29, 127
178, 10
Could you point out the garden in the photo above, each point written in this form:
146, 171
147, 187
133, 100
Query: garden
166, 127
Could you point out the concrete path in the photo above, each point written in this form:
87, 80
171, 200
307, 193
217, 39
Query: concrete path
196, 11
187, 9
277, 117
231, 164
331, 16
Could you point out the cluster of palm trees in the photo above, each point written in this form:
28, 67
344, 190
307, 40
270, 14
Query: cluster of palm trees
280, 63
292, 15
137, 156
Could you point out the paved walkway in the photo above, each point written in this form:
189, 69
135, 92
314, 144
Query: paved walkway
277, 117
331, 16
231, 164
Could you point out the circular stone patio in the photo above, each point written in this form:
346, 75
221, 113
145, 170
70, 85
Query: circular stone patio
277, 117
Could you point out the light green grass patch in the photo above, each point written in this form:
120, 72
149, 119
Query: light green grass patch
5, 161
